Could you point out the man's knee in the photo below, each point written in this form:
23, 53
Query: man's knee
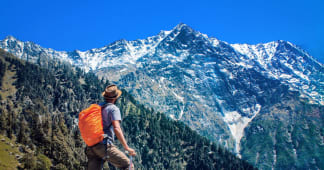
117, 158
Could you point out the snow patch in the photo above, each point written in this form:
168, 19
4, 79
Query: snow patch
305, 87
178, 97
285, 76
274, 159
123, 70
314, 93
244, 65
226, 72
215, 42
237, 123
294, 80
191, 72
181, 112
172, 117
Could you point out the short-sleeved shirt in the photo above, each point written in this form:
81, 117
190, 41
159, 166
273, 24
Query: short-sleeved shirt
110, 113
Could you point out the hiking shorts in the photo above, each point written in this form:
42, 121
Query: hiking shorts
99, 153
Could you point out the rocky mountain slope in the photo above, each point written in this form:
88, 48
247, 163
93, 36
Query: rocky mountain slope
216, 88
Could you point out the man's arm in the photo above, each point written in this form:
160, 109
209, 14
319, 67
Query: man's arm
121, 138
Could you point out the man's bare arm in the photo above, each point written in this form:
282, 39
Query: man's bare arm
119, 134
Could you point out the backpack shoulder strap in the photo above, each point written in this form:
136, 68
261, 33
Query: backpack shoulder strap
103, 107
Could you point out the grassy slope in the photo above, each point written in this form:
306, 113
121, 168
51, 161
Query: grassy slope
9, 153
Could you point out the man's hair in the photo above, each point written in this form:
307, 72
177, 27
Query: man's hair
111, 100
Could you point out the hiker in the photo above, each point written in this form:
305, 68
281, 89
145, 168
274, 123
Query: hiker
106, 150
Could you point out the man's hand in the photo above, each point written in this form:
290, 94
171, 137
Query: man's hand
131, 151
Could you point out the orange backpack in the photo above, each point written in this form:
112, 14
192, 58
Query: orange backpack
90, 125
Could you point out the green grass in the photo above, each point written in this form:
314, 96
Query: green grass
8, 154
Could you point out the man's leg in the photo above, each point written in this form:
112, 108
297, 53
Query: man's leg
96, 156
117, 157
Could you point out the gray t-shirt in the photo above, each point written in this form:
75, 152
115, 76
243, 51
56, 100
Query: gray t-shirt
109, 113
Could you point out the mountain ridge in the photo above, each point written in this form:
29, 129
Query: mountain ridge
216, 88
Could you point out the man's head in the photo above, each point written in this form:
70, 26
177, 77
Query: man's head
111, 93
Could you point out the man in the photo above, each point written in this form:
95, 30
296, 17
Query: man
106, 150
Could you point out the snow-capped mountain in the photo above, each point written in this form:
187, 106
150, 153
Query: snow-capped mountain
285, 62
218, 89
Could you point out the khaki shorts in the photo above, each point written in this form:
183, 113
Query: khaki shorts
100, 153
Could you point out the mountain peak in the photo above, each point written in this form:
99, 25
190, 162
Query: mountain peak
10, 37
182, 26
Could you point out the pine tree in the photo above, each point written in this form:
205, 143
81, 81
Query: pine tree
3, 121
22, 135
29, 161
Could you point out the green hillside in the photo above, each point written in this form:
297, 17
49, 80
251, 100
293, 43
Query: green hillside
9, 154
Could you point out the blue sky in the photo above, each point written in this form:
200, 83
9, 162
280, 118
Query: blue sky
71, 24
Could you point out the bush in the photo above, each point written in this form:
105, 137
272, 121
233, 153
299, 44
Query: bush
29, 161
43, 162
